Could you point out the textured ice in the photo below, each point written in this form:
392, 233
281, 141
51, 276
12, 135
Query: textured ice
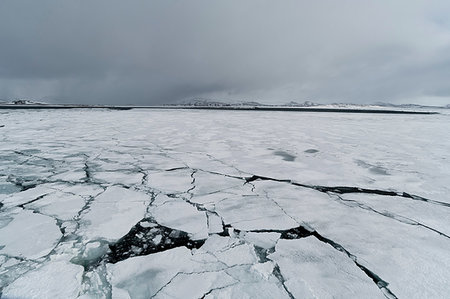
253, 213
29, 235
176, 181
206, 183
180, 215
144, 276
215, 224
113, 213
395, 250
312, 269
57, 279
117, 177
63, 206
215, 204
26, 196
181, 286
407, 210
263, 240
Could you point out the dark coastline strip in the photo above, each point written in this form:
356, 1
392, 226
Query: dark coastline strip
227, 108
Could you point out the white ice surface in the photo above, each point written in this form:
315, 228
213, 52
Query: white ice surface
313, 269
29, 235
180, 215
405, 209
177, 181
57, 279
189, 170
118, 177
397, 252
143, 277
253, 213
113, 214
63, 206
23, 197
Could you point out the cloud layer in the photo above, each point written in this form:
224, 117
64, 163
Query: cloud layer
153, 52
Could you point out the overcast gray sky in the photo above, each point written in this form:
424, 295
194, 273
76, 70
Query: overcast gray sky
154, 52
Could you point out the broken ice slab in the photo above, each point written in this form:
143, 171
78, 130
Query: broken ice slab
176, 181
181, 286
113, 213
54, 279
392, 249
206, 183
178, 214
61, 205
29, 235
215, 225
20, 198
263, 240
118, 177
222, 263
69, 176
253, 213
313, 269
143, 276
404, 209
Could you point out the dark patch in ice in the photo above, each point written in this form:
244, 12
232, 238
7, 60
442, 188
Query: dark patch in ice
262, 253
286, 156
177, 168
311, 151
378, 170
372, 168
263, 178
148, 237
289, 234
1, 126
22, 183
28, 152
9, 188
87, 172
296, 233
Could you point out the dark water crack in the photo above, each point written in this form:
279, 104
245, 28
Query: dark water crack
148, 237
393, 216
277, 273
347, 189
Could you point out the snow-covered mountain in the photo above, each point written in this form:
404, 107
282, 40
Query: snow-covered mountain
219, 103
21, 102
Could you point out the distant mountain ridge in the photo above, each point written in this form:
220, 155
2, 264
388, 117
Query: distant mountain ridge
21, 102
217, 103
204, 102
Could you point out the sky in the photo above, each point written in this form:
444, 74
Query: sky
167, 51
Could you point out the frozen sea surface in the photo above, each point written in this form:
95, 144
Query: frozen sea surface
223, 204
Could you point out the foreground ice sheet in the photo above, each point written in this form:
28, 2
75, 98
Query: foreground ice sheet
223, 204
53, 280
29, 235
314, 269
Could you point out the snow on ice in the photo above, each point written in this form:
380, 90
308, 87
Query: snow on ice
223, 204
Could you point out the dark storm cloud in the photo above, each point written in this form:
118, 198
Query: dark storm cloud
151, 52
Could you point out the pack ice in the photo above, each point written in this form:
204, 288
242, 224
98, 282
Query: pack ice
223, 204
